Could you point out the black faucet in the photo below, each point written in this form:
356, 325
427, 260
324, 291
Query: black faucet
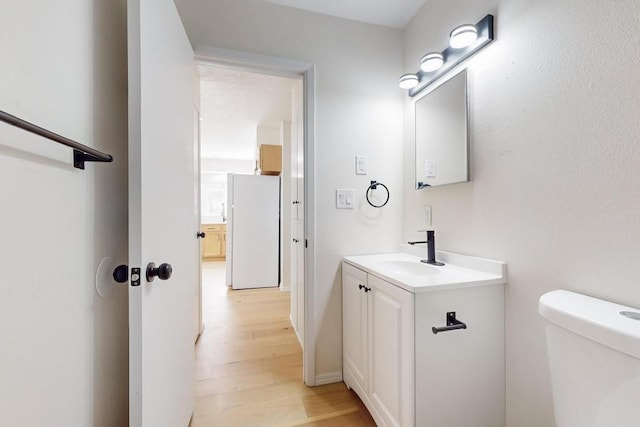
431, 248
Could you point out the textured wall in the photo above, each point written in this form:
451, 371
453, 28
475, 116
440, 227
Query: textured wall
63, 357
555, 187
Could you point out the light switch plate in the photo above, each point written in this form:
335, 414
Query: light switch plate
345, 199
430, 167
427, 216
361, 165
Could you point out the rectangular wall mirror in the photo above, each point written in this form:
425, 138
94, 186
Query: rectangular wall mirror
442, 137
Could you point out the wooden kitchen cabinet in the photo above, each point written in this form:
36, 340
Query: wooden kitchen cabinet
270, 159
214, 244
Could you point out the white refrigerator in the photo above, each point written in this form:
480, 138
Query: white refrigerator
253, 231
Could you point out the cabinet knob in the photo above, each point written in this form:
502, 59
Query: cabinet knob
201, 235
361, 286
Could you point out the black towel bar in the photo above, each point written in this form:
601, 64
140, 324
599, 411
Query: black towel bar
81, 153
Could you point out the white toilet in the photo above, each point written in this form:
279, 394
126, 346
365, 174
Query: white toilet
594, 358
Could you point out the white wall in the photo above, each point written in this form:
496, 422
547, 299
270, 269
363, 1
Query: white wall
227, 165
64, 349
555, 188
266, 134
358, 111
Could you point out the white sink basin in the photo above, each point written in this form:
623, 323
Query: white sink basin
412, 267
406, 271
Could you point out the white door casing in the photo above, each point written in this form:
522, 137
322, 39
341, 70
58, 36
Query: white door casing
163, 215
207, 55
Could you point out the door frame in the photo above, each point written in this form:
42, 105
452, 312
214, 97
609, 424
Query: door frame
266, 64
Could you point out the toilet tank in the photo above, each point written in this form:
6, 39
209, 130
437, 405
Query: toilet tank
594, 360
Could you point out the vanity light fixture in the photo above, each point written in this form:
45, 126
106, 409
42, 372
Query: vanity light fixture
431, 62
408, 81
463, 36
465, 41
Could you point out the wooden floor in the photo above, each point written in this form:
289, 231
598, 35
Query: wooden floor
249, 365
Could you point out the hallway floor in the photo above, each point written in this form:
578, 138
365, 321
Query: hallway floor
249, 365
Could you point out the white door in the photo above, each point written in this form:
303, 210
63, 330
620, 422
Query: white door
163, 216
297, 211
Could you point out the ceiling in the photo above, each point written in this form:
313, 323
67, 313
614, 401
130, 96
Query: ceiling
389, 13
233, 104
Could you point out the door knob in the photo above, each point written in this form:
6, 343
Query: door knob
121, 273
201, 235
163, 271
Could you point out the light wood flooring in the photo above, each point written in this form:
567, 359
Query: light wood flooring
249, 365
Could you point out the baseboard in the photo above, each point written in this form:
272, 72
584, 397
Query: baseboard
295, 330
331, 377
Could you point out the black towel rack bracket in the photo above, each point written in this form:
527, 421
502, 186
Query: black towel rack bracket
81, 153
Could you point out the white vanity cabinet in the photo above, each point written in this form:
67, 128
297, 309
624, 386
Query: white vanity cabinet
406, 375
378, 345
355, 329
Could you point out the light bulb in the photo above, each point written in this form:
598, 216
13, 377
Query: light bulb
408, 81
463, 36
431, 62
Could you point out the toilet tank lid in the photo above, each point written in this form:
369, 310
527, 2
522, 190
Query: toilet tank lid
594, 319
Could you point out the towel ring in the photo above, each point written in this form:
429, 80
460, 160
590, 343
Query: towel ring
373, 186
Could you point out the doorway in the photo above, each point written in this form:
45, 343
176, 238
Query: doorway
241, 112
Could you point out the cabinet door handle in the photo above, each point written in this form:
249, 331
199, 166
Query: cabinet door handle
361, 286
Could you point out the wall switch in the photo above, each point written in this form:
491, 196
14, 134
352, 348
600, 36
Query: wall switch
345, 199
430, 168
361, 165
427, 216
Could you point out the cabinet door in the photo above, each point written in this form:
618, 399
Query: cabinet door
391, 356
223, 241
212, 243
297, 153
297, 276
354, 329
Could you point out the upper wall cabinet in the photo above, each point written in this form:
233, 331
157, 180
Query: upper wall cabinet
441, 134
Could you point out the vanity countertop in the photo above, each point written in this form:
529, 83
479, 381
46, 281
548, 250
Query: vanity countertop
406, 271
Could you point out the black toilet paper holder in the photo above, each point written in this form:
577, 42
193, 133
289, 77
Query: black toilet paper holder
452, 324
